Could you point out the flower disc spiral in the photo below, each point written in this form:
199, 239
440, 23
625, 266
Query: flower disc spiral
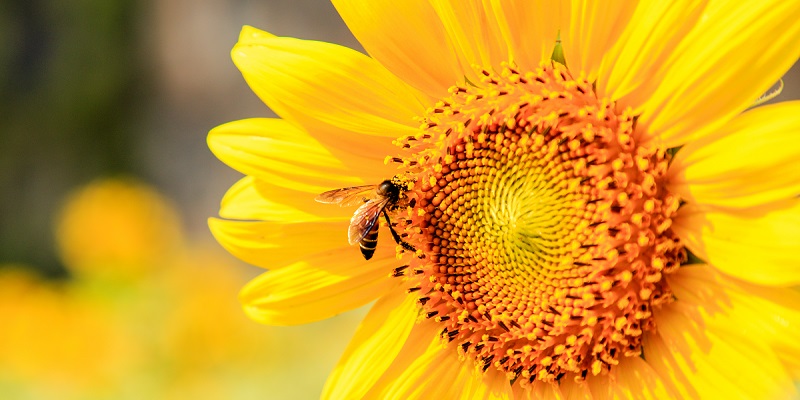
545, 226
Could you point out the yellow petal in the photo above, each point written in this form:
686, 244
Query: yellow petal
594, 27
333, 84
572, 390
424, 336
479, 385
252, 35
275, 244
318, 287
748, 162
539, 391
634, 378
599, 386
473, 33
731, 307
735, 53
407, 38
653, 32
360, 138
375, 345
759, 245
253, 199
702, 364
276, 151
364, 154
529, 28
433, 375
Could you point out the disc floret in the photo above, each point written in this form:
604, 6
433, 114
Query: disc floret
544, 226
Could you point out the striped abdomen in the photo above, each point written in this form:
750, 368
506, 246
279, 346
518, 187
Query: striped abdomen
369, 241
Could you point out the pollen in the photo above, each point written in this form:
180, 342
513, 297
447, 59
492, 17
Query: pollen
542, 226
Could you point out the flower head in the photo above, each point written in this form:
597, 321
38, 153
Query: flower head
116, 227
580, 203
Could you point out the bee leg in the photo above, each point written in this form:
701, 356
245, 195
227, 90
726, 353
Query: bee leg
397, 237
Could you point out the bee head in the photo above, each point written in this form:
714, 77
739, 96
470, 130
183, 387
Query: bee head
389, 189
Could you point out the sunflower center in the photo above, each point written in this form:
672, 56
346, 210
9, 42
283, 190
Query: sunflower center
544, 228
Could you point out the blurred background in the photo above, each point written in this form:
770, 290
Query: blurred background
111, 286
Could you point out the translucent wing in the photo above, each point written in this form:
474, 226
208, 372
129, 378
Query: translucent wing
348, 196
365, 218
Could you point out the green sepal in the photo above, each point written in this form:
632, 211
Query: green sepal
558, 52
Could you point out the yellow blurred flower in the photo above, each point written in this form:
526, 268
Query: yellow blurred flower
202, 314
211, 349
145, 314
117, 227
67, 347
539, 188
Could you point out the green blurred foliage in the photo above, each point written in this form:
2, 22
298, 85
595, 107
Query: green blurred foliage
69, 80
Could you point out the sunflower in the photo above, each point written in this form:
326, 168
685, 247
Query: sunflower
582, 199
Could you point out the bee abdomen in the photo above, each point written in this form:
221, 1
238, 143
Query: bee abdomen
368, 243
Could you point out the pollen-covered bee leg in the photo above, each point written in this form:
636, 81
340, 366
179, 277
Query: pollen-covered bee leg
397, 237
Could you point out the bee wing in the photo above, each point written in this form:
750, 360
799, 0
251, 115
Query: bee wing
348, 196
365, 218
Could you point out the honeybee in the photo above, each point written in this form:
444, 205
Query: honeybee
376, 199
